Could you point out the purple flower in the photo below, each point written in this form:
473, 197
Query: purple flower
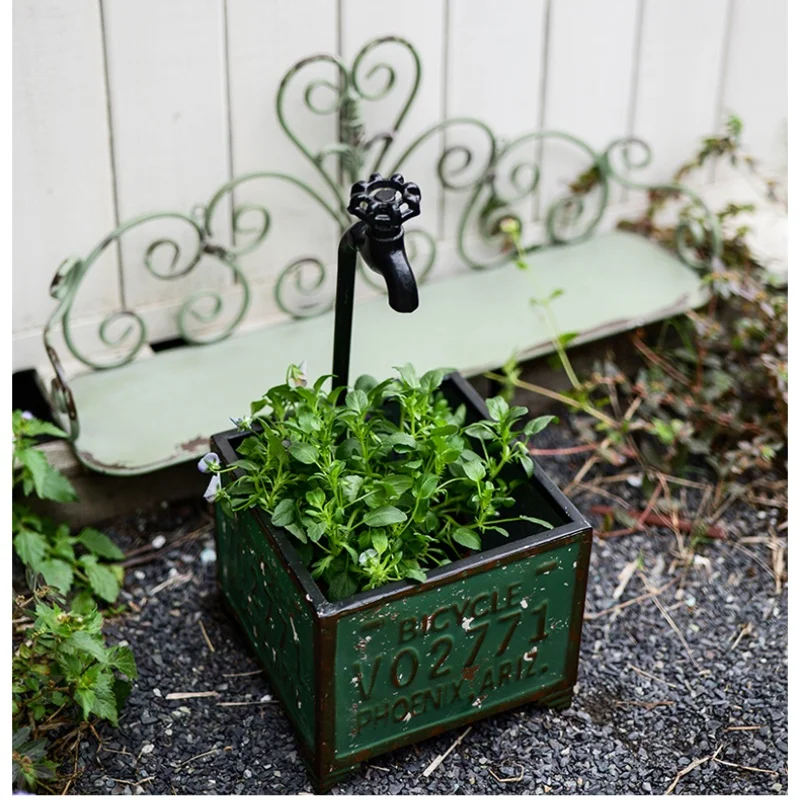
208, 462
213, 487
27, 415
297, 376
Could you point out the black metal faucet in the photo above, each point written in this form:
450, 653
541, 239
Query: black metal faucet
382, 206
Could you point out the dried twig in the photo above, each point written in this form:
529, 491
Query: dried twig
241, 674
646, 596
438, 760
652, 677
516, 779
205, 636
176, 580
686, 770
658, 519
672, 625
247, 702
189, 695
742, 766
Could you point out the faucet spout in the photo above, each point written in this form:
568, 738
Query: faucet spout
388, 258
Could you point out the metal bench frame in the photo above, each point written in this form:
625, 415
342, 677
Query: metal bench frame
493, 177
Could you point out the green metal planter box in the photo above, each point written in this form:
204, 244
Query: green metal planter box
387, 667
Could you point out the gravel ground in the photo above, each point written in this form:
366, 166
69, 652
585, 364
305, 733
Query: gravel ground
664, 686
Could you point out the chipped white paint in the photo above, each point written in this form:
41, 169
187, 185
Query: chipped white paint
466, 623
531, 654
407, 717
294, 630
523, 602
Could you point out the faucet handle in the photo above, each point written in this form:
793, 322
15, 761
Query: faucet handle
384, 204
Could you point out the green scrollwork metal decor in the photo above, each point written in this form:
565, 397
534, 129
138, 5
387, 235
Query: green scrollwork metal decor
497, 180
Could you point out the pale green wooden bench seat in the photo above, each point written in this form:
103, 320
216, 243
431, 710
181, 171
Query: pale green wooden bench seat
161, 410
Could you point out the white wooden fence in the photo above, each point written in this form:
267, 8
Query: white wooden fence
128, 106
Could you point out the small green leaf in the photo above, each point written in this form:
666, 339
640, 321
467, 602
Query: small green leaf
416, 574
83, 603
86, 699
543, 522
380, 541
121, 658
385, 515
48, 482
99, 544
283, 514
304, 452
31, 547
399, 483
409, 376
526, 462
426, 486
537, 425
498, 408
316, 498
357, 400
351, 485
474, 470
315, 530
57, 573
401, 442
366, 383
341, 586
102, 580
84, 642
38, 427
297, 531
467, 538
432, 379
480, 430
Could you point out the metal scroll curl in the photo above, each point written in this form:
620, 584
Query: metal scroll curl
302, 289
698, 239
123, 332
367, 80
514, 179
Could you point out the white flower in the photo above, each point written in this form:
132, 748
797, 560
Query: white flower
27, 415
242, 423
213, 487
297, 376
367, 555
206, 462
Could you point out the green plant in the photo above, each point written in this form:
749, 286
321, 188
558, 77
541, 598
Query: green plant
29, 763
383, 486
63, 664
62, 671
85, 562
712, 392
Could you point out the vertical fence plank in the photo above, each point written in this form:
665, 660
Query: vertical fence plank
590, 71
167, 88
62, 188
494, 74
421, 22
756, 80
265, 38
679, 80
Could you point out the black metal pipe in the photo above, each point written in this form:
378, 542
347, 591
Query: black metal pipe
349, 246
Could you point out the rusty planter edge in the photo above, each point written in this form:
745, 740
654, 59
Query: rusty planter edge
336, 665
